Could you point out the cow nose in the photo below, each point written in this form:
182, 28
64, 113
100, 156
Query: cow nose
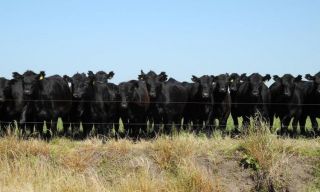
124, 105
27, 92
233, 89
205, 95
287, 94
223, 90
1, 99
76, 95
153, 94
255, 93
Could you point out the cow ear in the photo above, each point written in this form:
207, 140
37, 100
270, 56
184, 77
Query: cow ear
243, 77
142, 76
233, 76
91, 75
163, 76
110, 75
67, 79
227, 75
16, 75
266, 77
195, 79
309, 77
41, 75
276, 78
298, 78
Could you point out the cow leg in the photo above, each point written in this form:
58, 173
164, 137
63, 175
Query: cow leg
168, 123
302, 123
223, 124
235, 123
314, 124
295, 127
245, 122
285, 124
86, 130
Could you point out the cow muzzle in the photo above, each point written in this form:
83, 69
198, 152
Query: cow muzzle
124, 105
77, 96
255, 93
223, 90
205, 95
153, 94
27, 92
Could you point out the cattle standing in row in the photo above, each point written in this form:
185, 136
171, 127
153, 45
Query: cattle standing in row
312, 101
199, 106
252, 97
168, 100
236, 111
4, 83
45, 100
32, 98
286, 101
134, 107
93, 103
221, 100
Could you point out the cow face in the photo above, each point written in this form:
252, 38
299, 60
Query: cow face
221, 83
256, 81
30, 81
80, 84
153, 81
235, 82
315, 79
206, 84
103, 77
3, 86
288, 83
126, 90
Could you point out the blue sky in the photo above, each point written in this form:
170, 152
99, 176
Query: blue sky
183, 38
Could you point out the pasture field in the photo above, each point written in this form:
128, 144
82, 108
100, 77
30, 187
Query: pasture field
256, 161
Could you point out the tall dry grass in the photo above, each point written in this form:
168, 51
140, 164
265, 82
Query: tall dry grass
180, 163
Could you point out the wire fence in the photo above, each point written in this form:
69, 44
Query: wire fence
166, 102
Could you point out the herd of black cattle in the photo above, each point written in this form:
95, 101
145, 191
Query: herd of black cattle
152, 104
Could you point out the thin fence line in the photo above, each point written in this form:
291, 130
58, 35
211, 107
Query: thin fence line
159, 102
49, 122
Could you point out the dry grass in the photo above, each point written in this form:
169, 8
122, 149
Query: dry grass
181, 163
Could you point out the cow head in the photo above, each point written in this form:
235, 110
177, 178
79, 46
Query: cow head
221, 82
288, 83
30, 81
315, 79
81, 84
235, 82
153, 81
206, 84
256, 81
127, 91
103, 77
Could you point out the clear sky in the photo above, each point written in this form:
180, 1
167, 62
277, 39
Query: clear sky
183, 38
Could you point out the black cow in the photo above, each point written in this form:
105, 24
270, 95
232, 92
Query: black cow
45, 99
253, 97
311, 106
93, 102
168, 100
286, 101
134, 106
200, 103
236, 108
4, 83
222, 101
